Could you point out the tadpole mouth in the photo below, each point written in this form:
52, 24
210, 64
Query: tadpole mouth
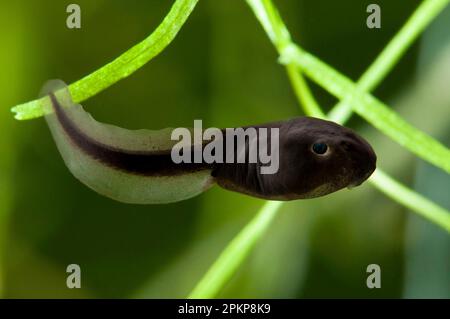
361, 180
366, 163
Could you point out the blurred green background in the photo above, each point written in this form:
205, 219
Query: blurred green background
221, 68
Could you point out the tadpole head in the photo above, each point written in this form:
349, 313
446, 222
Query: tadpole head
318, 157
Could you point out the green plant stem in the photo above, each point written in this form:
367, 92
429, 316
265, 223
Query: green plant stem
394, 50
271, 21
280, 38
410, 199
395, 190
402, 194
303, 93
371, 109
235, 253
122, 66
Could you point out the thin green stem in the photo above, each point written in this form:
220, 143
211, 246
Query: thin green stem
122, 66
381, 115
371, 109
279, 36
410, 199
303, 93
394, 50
235, 253
402, 194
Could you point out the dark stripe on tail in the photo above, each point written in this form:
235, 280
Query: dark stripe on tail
144, 163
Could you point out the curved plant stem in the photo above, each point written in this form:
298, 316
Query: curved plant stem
303, 93
280, 38
371, 109
391, 54
382, 116
121, 67
233, 255
411, 199
368, 107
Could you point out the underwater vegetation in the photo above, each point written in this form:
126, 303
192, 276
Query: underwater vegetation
226, 266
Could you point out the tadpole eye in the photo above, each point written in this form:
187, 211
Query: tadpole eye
319, 148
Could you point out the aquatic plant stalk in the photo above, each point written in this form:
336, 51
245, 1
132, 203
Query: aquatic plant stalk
235, 253
391, 54
231, 257
297, 60
124, 65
